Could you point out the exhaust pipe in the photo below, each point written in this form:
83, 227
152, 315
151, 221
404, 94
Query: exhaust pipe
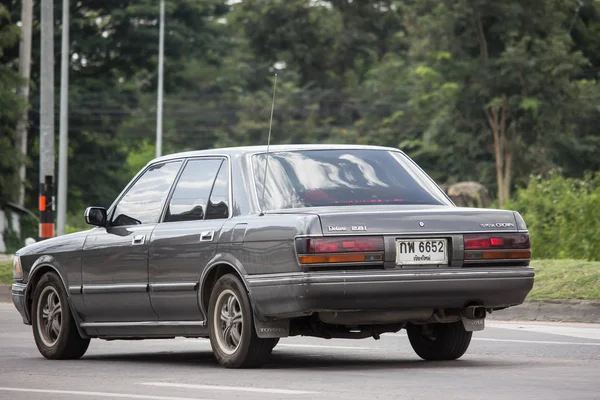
474, 312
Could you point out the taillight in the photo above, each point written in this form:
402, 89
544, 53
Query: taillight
512, 246
367, 249
502, 241
341, 245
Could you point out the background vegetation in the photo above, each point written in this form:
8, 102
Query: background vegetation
503, 93
563, 216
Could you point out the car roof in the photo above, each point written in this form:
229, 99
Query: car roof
242, 150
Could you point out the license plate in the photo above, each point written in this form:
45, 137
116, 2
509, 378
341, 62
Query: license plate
422, 252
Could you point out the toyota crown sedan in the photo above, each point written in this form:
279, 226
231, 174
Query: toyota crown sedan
248, 245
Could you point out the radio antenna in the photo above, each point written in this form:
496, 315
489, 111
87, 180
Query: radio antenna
262, 212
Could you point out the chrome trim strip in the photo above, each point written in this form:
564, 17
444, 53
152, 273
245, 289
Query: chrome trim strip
496, 261
388, 276
404, 234
173, 287
18, 289
75, 289
111, 288
141, 324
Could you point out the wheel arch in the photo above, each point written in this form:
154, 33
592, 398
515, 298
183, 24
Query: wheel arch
264, 328
37, 272
218, 267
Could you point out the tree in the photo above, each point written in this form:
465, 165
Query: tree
11, 104
114, 48
512, 63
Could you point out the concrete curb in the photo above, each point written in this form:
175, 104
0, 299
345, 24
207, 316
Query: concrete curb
572, 310
584, 311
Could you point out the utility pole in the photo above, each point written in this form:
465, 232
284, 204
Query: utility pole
25, 73
161, 61
46, 203
63, 147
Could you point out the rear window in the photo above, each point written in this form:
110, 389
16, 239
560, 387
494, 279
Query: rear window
318, 178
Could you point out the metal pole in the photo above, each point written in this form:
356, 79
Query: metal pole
161, 61
25, 72
63, 148
46, 203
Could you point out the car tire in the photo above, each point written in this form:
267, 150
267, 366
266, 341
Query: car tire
231, 326
439, 342
54, 329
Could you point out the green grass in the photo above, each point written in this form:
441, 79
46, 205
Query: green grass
566, 279
554, 279
6, 272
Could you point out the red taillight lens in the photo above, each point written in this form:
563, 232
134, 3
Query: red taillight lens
500, 241
497, 247
342, 245
340, 250
496, 241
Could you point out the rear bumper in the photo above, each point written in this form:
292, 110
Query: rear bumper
297, 294
19, 300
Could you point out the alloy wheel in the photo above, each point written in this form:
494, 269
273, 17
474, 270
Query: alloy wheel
228, 320
49, 314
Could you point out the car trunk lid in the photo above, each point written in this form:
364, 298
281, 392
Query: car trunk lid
410, 220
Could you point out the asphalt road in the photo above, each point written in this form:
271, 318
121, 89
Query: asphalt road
505, 361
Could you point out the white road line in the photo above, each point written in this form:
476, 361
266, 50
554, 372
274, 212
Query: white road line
306, 346
582, 332
537, 342
227, 388
96, 394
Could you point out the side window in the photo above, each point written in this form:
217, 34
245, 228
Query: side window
143, 202
190, 196
218, 204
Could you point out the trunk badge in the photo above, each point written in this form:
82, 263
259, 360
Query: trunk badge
421, 224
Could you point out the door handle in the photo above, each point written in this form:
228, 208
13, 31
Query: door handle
207, 236
138, 240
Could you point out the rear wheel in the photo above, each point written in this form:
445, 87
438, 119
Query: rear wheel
438, 342
54, 328
231, 326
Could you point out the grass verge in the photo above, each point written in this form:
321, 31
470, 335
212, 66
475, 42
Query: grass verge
554, 279
6, 272
566, 279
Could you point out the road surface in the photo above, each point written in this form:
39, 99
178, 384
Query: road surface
505, 361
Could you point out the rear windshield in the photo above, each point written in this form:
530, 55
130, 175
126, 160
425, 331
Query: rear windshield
318, 178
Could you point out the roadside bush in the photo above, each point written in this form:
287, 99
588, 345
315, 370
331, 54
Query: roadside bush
563, 216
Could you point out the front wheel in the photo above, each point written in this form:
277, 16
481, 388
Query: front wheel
439, 342
231, 326
54, 328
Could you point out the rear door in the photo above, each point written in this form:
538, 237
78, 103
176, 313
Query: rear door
186, 239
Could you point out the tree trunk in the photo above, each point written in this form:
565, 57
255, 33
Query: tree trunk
497, 116
508, 157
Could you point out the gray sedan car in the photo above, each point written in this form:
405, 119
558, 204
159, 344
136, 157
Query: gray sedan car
245, 246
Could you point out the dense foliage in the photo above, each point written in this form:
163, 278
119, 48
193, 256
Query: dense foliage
472, 89
562, 216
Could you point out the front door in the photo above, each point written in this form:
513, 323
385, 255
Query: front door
115, 258
187, 238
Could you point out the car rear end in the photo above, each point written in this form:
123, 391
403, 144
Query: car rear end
393, 248
415, 268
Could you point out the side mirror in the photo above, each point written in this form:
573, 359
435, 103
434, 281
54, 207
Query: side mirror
95, 216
